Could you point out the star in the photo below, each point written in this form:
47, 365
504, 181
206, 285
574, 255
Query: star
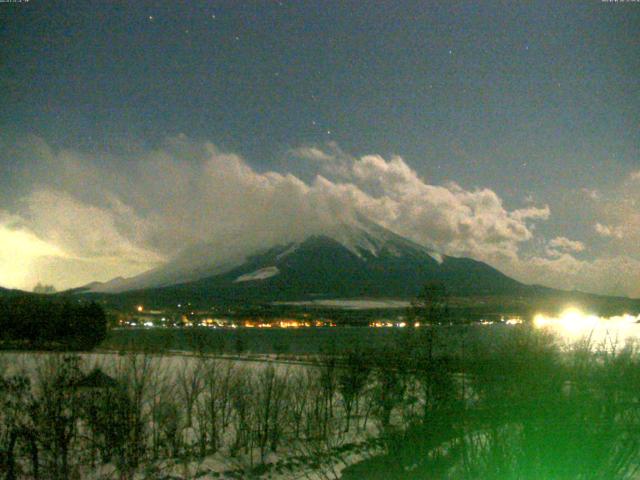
328, 132
151, 18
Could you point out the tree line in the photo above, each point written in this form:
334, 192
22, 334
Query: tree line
47, 322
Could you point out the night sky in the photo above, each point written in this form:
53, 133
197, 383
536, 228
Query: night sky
518, 120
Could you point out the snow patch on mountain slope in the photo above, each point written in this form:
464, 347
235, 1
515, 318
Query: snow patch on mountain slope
436, 256
261, 274
292, 248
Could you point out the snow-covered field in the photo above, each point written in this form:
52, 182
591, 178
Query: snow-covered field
169, 364
213, 418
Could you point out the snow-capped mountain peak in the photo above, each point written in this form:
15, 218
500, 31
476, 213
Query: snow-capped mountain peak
370, 238
364, 241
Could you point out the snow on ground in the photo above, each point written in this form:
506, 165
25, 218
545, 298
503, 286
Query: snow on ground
350, 304
261, 274
170, 363
290, 462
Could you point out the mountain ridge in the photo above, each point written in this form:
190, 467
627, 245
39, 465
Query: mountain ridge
365, 260
203, 260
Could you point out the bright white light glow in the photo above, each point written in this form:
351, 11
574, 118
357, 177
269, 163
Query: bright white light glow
573, 324
19, 250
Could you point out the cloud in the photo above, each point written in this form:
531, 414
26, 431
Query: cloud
76, 217
312, 153
532, 213
559, 245
614, 216
120, 215
447, 218
89, 231
609, 231
611, 275
617, 217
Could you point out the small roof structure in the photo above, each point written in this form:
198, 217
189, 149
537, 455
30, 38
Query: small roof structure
96, 379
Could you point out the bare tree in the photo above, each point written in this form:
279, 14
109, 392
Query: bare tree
352, 379
298, 403
136, 374
190, 381
57, 413
328, 382
16, 403
269, 398
243, 422
209, 408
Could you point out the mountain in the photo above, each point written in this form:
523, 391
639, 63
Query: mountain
366, 260
7, 292
4, 291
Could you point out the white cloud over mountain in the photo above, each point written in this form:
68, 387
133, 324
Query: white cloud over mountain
90, 217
